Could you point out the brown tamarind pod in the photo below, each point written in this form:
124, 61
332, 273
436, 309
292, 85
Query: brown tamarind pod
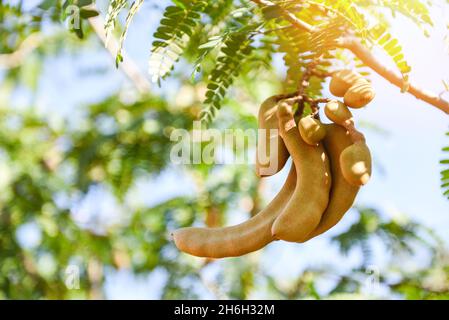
338, 112
271, 153
342, 80
359, 95
312, 130
240, 239
302, 213
342, 194
355, 162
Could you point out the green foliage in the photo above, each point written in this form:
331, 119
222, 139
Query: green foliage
176, 27
115, 7
132, 11
445, 173
75, 12
415, 10
391, 45
344, 10
336, 19
398, 236
232, 58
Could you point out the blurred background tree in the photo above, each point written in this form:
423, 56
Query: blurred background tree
87, 190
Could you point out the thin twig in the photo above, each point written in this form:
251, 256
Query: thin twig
302, 86
320, 74
319, 100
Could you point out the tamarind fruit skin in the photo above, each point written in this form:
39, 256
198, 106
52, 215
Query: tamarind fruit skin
240, 239
338, 112
359, 95
356, 158
342, 194
356, 163
267, 120
312, 130
342, 80
303, 212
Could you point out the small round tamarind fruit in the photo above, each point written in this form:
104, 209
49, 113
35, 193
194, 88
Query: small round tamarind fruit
355, 162
342, 80
271, 153
312, 130
338, 112
303, 212
240, 239
342, 194
359, 95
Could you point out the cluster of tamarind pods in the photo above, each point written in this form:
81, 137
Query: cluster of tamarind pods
330, 162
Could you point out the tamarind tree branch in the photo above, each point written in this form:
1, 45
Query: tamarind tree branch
356, 47
393, 77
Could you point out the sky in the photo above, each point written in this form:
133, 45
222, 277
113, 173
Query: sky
406, 154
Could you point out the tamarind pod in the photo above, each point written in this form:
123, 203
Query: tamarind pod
312, 130
338, 112
276, 155
303, 212
342, 80
355, 162
240, 239
359, 95
342, 194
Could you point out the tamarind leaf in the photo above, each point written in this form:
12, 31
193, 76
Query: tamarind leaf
272, 12
384, 39
86, 14
446, 85
397, 235
171, 37
346, 10
132, 11
205, 49
115, 7
445, 172
405, 83
234, 52
179, 4
325, 39
415, 10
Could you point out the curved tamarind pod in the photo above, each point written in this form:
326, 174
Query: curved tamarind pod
342, 194
303, 212
338, 112
312, 130
359, 95
355, 162
271, 153
342, 80
240, 239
